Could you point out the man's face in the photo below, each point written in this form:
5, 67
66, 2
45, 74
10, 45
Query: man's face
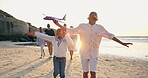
40, 29
48, 26
93, 16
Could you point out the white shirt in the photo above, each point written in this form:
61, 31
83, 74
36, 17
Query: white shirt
40, 41
74, 38
90, 37
61, 49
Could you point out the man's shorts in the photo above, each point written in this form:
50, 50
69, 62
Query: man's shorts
70, 48
89, 64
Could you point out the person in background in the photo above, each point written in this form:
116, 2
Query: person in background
72, 48
41, 43
65, 27
49, 32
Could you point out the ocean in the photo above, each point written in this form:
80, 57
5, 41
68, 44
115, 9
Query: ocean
139, 49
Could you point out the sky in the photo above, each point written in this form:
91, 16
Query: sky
120, 17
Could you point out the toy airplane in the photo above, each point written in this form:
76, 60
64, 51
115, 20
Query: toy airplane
54, 18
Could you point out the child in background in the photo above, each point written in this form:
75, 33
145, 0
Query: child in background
41, 43
72, 48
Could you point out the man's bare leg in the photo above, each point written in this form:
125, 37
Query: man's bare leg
85, 74
49, 48
71, 53
93, 74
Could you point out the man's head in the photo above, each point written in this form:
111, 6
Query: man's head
93, 16
71, 26
48, 25
41, 29
65, 25
59, 33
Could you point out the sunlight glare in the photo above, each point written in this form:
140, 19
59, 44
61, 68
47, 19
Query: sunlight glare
78, 45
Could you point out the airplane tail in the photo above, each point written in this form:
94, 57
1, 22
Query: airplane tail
44, 14
64, 18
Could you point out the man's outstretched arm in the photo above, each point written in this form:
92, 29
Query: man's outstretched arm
68, 30
124, 44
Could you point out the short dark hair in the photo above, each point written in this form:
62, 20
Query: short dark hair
48, 25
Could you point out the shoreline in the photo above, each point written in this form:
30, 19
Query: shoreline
9, 44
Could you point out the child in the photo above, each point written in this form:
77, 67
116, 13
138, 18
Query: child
72, 48
41, 43
60, 44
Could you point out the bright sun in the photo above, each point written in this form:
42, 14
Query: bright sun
78, 45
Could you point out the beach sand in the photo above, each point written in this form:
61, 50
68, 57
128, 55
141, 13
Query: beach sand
25, 62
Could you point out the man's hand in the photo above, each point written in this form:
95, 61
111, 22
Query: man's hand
31, 33
57, 23
126, 44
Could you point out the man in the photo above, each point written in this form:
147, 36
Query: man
90, 37
60, 44
49, 32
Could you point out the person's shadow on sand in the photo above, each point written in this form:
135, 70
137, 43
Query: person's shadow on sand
68, 68
29, 69
15, 68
